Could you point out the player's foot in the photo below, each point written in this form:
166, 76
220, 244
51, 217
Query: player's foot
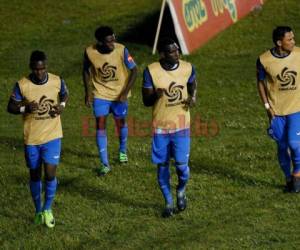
289, 186
123, 157
49, 218
39, 218
181, 201
168, 211
296, 184
103, 170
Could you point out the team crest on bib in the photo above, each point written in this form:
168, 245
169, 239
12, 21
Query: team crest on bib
174, 94
287, 79
107, 73
45, 106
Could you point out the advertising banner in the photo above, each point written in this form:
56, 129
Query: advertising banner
197, 21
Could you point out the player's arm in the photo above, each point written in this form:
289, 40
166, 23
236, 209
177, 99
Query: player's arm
18, 105
63, 98
131, 66
191, 89
86, 79
261, 87
150, 94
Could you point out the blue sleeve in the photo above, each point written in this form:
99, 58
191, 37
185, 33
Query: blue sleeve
128, 60
261, 72
147, 79
16, 94
192, 76
63, 89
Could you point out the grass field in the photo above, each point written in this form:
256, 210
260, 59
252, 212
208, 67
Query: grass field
235, 192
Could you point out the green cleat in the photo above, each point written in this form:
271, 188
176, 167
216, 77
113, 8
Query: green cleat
103, 170
39, 218
49, 219
123, 157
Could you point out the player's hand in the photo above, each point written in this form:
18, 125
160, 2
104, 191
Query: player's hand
189, 102
87, 100
271, 114
159, 92
31, 107
56, 110
122, 98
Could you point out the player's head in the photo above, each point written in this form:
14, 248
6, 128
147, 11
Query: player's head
168, 50
38, 64
283, 37
105, 38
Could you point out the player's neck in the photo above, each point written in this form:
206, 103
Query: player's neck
35, 80
103, 49
280, 52
168, 65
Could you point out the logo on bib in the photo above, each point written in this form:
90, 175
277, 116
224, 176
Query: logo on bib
107, 73
174, 94
287, 79
45, 105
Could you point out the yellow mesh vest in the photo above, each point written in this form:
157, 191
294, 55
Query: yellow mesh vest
168, 112
39, 127
283, 82
108, 73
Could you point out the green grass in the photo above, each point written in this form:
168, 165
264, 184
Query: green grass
235, 192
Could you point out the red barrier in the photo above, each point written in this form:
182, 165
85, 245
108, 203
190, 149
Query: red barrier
196, 21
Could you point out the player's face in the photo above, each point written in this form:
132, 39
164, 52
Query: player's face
171, 53
39, 69
288, 42
109, 42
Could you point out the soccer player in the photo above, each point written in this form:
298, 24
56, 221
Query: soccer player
169, 86
41, 97
109, 73
278, 82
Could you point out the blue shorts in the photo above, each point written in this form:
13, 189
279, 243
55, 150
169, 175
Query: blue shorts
285, 128
175, 145
104, 107
48, 153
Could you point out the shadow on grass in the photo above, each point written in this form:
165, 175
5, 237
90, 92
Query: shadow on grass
144, 32
228, 172
97, 193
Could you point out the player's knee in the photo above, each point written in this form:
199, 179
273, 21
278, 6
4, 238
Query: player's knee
295, 149
35, 174
182, 170
50, 172
101, 123
163, 173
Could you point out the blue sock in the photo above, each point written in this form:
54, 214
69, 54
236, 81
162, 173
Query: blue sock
123, 139
36, 190
285, 162
50, 191
183, 173
102, 146
163, 177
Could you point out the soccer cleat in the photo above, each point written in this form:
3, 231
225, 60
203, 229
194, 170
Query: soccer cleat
103, 170
168, 211
181, 201
123, 157
39, 218
296, 184
289, 186
49, 219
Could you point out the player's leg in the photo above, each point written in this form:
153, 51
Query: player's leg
33, 161
51, 156
101, 110
160, 156
120, 110
294, 144
278, 132
180, 145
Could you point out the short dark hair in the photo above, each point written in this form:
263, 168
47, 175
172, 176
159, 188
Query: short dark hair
37, 56
164, 43
279, 33
102, 32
